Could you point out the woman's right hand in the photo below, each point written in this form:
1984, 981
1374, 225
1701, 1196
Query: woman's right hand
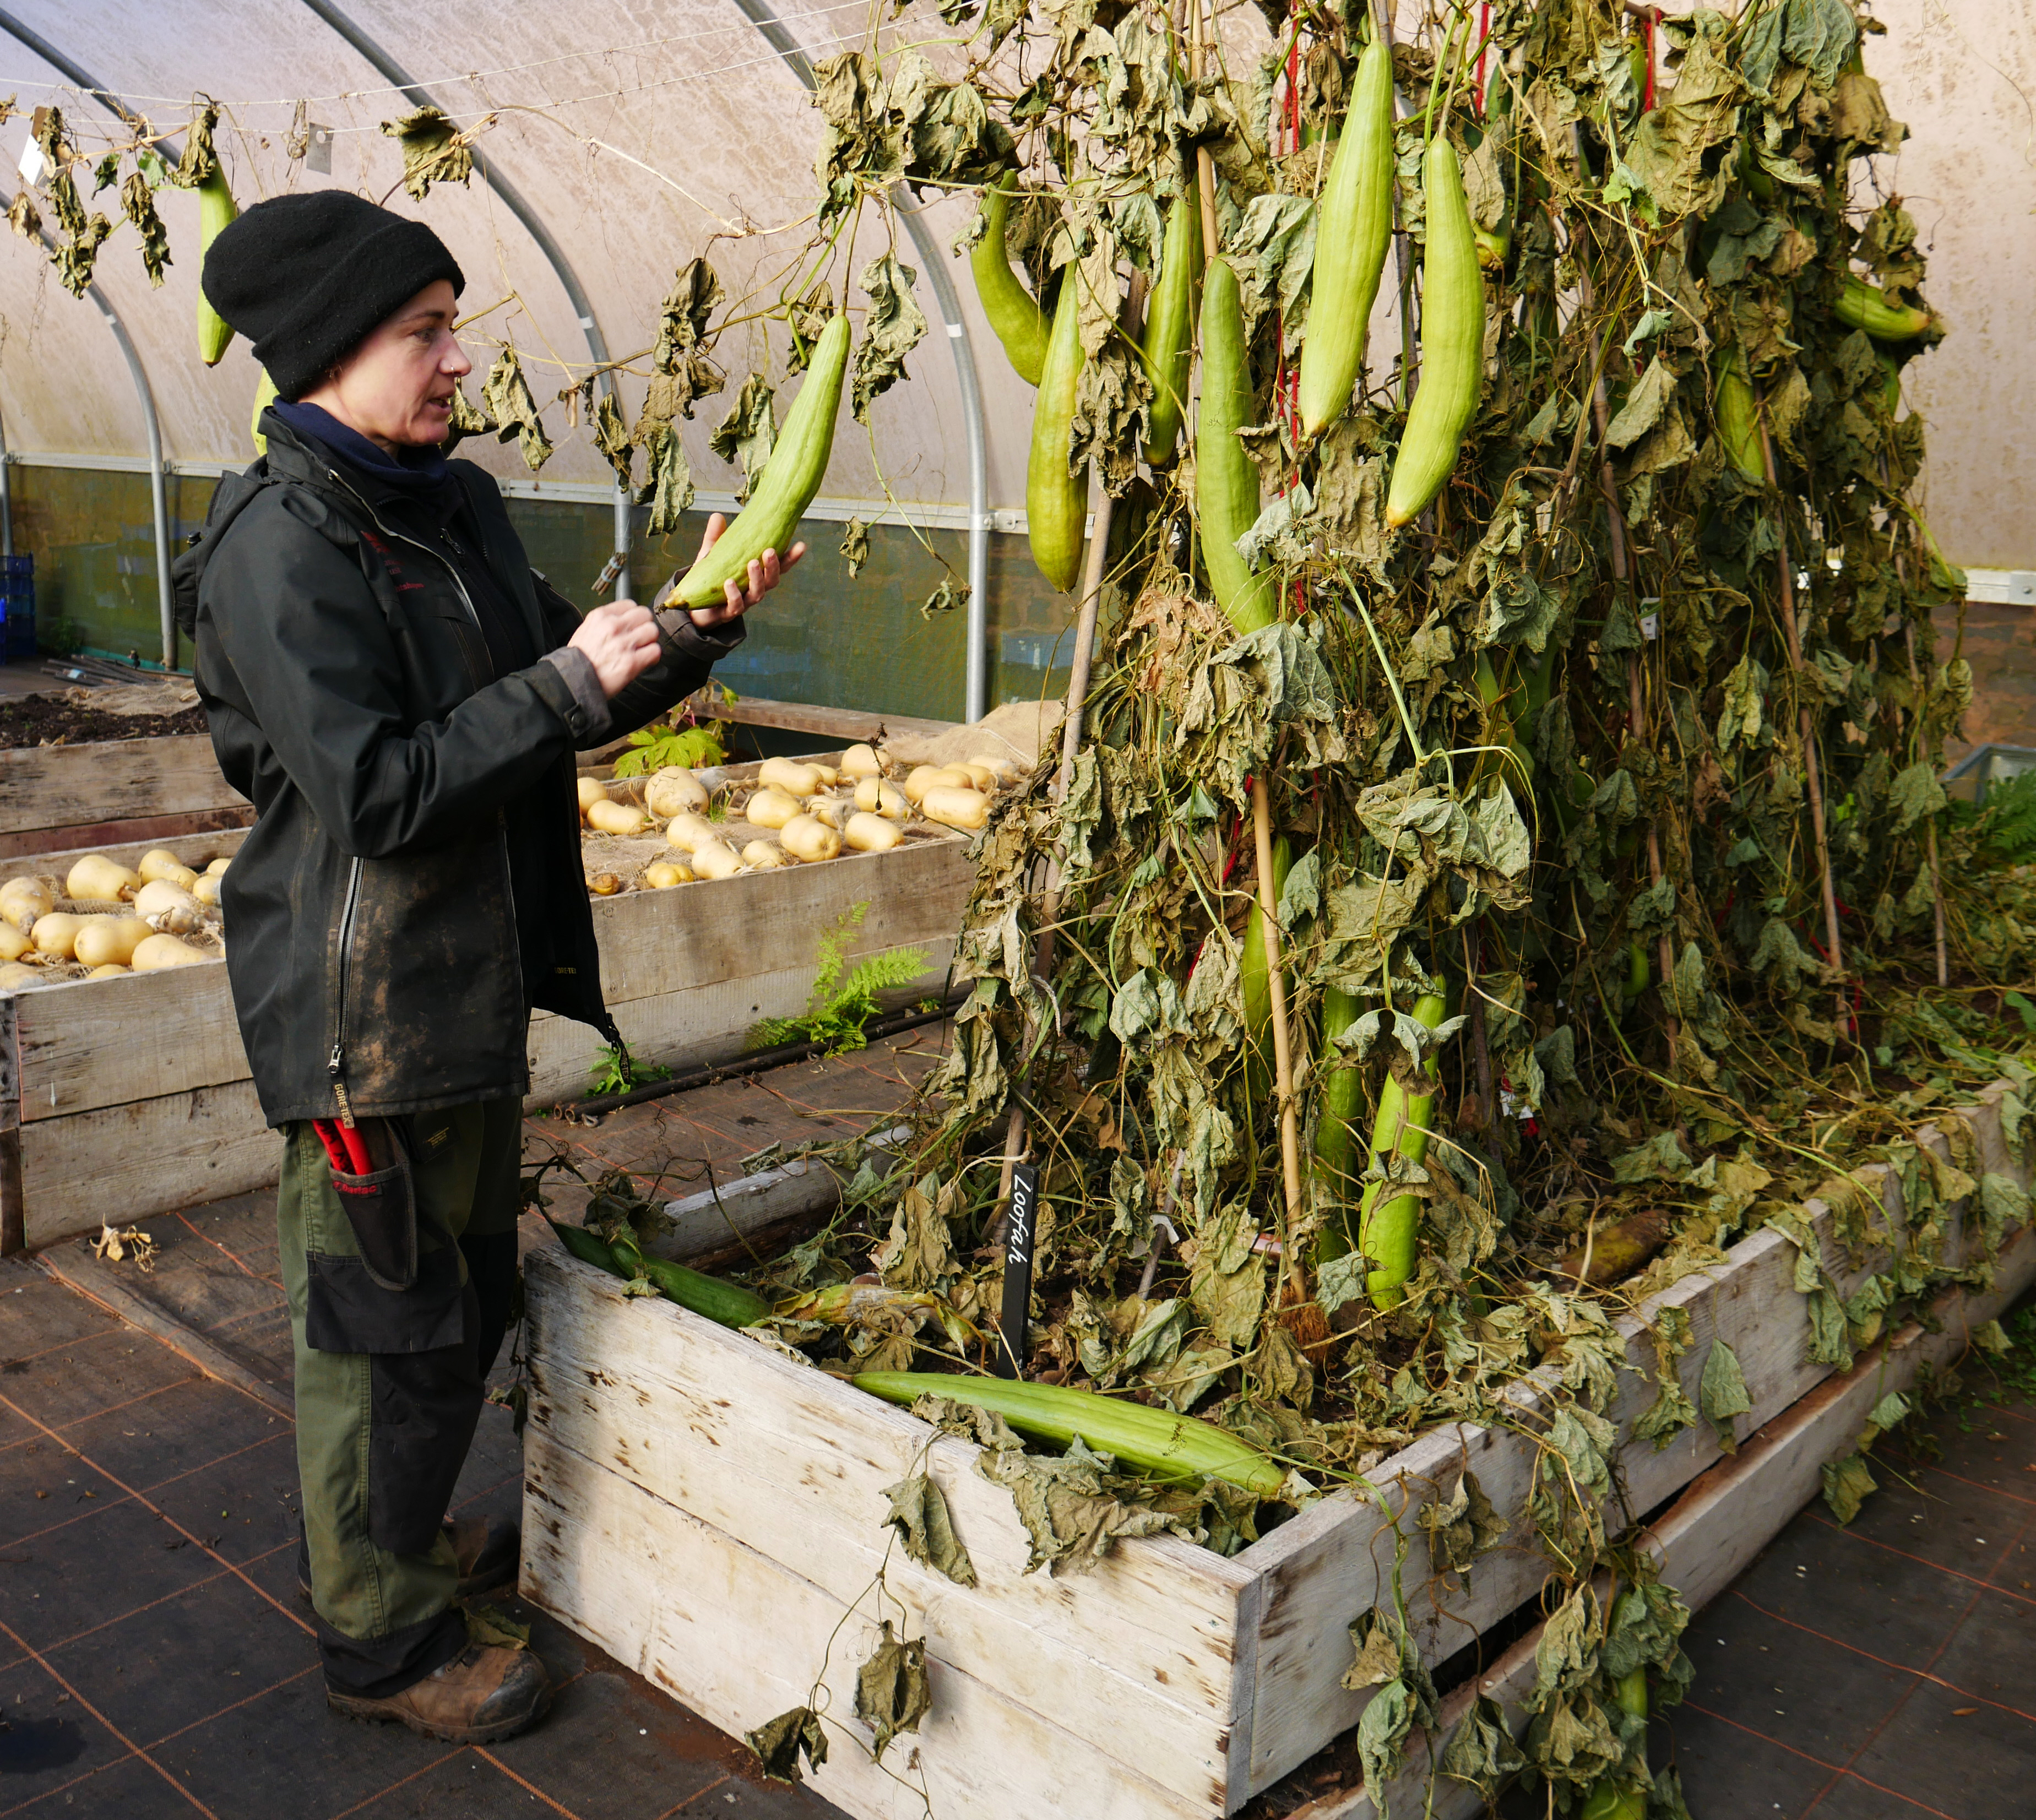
620, 641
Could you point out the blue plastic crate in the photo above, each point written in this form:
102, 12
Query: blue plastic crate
17, 608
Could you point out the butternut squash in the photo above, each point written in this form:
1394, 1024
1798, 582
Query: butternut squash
716, 859
871, 833
23, 899
56, 934
809, 838
795, 779
162, 951
95, 878
616, 817
877, 797
770, 807
686, 831
109, 939
954, 807
925, 778
161, 897
672, 791
160, 863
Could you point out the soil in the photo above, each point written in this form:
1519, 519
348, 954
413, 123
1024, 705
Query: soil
73, 718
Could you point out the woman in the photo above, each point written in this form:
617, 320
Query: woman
400, 696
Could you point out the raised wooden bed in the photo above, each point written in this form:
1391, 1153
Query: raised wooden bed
139, 1087
53, 798
712, 1513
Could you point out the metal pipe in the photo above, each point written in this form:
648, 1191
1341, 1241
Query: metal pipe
512, 199
975, 687
6, 505
72, 72
158, 483
158, 480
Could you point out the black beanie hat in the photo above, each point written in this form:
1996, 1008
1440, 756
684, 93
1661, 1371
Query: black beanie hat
307, 278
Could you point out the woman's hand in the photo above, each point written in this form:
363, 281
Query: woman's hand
620, 641
765, 573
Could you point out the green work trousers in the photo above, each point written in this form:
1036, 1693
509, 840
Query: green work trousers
391, 1359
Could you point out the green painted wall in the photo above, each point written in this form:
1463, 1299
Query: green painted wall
827, 637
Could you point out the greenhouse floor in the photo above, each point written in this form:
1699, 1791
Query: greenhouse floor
148, 1533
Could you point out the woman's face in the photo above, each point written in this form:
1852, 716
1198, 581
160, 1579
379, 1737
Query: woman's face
396, 388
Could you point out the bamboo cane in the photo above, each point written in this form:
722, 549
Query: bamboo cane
1930, 833
1811, 771
1072, 718
1622, 571
1261, 835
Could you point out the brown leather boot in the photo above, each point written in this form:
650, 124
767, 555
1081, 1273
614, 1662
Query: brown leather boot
482, 1695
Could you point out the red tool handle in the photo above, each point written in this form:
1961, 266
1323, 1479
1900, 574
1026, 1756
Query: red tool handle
346, 1145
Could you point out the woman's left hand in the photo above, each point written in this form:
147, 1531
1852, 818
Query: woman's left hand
765, 573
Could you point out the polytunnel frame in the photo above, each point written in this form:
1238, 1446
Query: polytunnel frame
158, 476
344, 26
975, 687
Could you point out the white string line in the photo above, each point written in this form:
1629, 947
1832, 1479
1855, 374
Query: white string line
639, 87
101, 131
641, 49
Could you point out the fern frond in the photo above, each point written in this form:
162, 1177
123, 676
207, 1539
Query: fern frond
837, 1009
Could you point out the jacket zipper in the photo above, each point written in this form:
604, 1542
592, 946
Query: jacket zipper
336, 1062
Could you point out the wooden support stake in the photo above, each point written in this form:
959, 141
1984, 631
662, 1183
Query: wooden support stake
1622, 571
1094, 564
1262, 837
1283, 1060
1937, 879
1806, 730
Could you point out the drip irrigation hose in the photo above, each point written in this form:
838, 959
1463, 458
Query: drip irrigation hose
757, 1061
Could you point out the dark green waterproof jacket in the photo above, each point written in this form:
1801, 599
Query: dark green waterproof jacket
371, 928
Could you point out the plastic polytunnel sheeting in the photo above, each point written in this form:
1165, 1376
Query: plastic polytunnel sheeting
640, 137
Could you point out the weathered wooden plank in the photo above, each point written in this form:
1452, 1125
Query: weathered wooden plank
80, 1047
91, 1043
843, 726
716, 1216
196, 850
134, 834
1335, 1559
1711, 1534
75, 1267
59, 786
151, 1156
762, 923
687, 1401
680, 1601
706, 1021
1081, 1683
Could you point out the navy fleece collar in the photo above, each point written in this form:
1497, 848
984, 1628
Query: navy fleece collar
418, 472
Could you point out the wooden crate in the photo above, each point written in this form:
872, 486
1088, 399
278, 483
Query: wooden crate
711, 1513
53, 798
139, 1086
